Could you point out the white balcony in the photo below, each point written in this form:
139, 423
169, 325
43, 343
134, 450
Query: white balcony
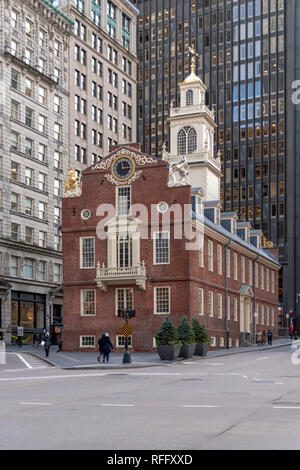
121, 276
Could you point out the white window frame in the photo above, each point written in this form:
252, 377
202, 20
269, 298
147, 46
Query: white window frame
219, 259
210, 303
220, 306
210, 254
250, 269
125, 298
243, 270
201, 300
121, 346
221, 342
117, 200
262, 277
272, 282
81, 345
155, 239
81, 252
228, 263
213, 342
235, 309
82, 294
155, 291
228, 307
235, 266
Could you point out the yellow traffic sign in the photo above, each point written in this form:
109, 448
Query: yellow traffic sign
126, 330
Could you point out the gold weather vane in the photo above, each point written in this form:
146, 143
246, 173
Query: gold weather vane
191, 51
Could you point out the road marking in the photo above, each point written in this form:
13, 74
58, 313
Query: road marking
279, 383
206, 363
257, 380
286, 407
114, 404
25, 362
262, 358
245, 376
201, 406
26, 403
69, 358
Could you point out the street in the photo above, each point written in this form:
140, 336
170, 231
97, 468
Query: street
243, 401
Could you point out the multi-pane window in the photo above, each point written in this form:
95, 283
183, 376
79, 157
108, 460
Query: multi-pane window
42, 152
15, 110
96, 12
124, 299
42, 271
87, 249
42, 95
42, 239
29, 206
125, 31
57, 273
57, 159
189, 98
262, 273
28, 87
123, 200
272, 282
14, 79
111, 19
57, 103
57, 187
42, 124
15, 202
228, 263
57, 214
228, 307
29, 176
201, 253
29, 147
210, 254
14, 140
201, 301
42, 210
267, 280
57, 242
14, 266
243, 274
235, 309
161, 300
87, 341
15, 171
87, 302
235, 267
220, 300
210, 303
186, 141
57, 132
29, 235
42, 38
124, 251
250, 272
121, 341
219, 259
162, 248
14, 232
28, 268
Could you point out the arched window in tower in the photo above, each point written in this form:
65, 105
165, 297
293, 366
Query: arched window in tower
186, 141
189, 98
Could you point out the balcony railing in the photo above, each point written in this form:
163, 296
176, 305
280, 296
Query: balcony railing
127, 275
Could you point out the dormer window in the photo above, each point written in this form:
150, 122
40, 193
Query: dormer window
123, 200
186, 141
189, 98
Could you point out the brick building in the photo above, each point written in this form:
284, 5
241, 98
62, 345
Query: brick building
139, 236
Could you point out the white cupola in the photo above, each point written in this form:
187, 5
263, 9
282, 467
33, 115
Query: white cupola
192, 127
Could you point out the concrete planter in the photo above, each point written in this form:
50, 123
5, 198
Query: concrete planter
187, 350
201, 349
168, 353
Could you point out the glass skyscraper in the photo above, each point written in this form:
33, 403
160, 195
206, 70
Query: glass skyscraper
241, 47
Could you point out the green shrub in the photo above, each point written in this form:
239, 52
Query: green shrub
200, 332
185, 332
167, 335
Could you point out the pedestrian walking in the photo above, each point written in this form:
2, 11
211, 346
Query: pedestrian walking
47, 343
259, 337
105, 346
291, 329
270, 337
264, 337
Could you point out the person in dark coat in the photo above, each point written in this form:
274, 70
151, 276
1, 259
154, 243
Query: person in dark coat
47, 342
270, 337
105, 346
100, 343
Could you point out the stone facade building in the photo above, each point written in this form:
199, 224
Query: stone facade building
103, 71
148, 234
34, 155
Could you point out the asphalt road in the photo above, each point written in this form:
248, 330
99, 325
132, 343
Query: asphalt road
244, 401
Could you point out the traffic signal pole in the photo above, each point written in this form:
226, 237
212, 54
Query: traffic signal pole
126, 357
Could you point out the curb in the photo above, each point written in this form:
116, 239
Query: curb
162, 363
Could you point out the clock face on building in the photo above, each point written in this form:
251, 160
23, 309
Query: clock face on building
123, 168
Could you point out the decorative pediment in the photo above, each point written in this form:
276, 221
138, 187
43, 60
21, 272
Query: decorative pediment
140, 159
246, 291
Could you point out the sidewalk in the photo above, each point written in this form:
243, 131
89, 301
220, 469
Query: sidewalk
88, 360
